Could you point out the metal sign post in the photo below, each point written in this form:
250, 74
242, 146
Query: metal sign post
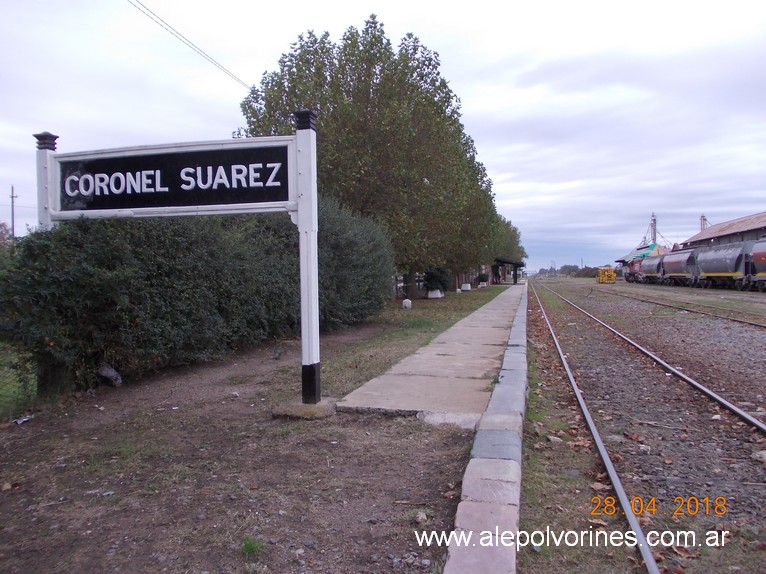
248, 175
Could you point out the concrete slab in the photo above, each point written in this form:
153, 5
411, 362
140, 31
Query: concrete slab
494, 347
498, 484
514, 376
491, 524
501, 421
463, 420
497, 444
444, 366
457, 349
485, 560
493, 469
493, 491
486, 517
508, 398
409, 394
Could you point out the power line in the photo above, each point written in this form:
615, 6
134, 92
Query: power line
162, 23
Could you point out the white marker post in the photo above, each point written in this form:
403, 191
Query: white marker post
307, 222
46, 145
252, 175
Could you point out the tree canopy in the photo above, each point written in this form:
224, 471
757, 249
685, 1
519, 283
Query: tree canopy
391, 144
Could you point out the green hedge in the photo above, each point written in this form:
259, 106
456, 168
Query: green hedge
148, 293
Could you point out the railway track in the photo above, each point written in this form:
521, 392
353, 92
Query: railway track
678, 462
739, 315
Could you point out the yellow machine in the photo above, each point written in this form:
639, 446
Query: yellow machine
606, 275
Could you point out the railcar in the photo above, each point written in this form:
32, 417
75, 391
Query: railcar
722, 265
680, 268
755, 271
650, 270
632, 272
739, 265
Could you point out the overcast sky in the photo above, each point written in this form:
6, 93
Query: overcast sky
588, 116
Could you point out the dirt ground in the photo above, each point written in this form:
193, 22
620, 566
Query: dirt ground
189, 472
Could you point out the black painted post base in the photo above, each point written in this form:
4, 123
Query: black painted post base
311, 390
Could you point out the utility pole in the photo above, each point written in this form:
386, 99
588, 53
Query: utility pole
13, 216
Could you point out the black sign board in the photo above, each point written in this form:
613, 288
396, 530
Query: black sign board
174, 179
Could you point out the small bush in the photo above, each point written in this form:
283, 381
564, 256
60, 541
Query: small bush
356, 267
437, 278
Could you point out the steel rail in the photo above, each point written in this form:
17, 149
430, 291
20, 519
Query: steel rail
622, 496
699, 386
745, 321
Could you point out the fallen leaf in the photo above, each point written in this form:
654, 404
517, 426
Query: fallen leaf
6, 486
579, 442
600, 486
644, 520
684, 552
597, 522
450, 494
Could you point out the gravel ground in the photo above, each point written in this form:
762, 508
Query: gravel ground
687, 463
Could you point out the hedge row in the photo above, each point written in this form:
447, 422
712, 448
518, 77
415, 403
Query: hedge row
144, 294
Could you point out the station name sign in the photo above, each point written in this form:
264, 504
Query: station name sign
234, 176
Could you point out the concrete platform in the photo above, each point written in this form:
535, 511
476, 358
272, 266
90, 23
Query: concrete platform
450, 381
451, 375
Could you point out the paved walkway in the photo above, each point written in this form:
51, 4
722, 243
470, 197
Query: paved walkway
448, 381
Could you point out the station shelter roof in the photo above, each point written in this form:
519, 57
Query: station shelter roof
505, 261
645, 250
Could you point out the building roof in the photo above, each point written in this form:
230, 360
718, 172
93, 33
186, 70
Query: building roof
747, 223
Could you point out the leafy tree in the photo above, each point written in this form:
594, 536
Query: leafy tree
6, 242
390, 142
505, 240
568, 270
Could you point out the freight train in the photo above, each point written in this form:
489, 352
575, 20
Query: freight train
739, 265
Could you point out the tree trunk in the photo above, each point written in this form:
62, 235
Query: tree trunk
410, 287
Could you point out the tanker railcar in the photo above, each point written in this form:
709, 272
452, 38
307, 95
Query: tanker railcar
722, 265
650, 269
680, 268
733, 265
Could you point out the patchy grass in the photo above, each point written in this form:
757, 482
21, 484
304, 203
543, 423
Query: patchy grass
17, 384
252, 548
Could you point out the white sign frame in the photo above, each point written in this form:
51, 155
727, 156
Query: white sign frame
54, 183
